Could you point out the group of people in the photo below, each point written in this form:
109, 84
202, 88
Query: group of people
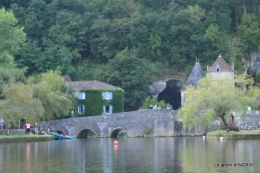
35, 129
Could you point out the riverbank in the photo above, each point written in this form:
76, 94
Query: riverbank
25, 138
224, 135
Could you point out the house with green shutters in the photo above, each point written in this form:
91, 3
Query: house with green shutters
95, 97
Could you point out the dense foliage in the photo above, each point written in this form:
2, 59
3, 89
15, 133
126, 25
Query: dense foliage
50, 89
41, 97
19, 104
131, 73
171, 31
81, 37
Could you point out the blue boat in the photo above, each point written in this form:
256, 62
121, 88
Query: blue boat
60, 136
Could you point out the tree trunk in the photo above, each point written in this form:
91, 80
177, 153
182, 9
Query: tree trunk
224, 122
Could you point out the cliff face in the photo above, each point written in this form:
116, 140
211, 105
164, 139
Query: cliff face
253, 62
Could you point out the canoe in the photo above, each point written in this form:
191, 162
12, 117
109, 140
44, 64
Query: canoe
59, 136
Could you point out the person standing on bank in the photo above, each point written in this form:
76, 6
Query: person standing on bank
36, 128
28, 128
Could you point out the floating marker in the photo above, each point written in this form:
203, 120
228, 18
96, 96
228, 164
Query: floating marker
115, 142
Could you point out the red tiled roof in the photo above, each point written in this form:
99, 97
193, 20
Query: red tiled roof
81, 85
221, 65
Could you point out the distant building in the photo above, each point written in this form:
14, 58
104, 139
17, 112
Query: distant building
219, 70
195, 75
95, 97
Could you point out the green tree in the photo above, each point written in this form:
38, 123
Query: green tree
216, 38
11, 37
11, 75
248, 31
212, 100
29, 56
69, 31
50, 89
235, 49
36, 17
152, 100
19, 103
55, 56
132, 74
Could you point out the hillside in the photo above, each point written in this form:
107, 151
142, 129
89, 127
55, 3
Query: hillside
75, 35
127, 43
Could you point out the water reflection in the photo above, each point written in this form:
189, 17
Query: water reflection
28, 156
144, 155
1, 159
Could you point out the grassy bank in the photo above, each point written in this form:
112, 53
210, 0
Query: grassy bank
224, 132
223, 135
25, 138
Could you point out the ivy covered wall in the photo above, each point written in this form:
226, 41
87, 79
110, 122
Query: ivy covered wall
94, 102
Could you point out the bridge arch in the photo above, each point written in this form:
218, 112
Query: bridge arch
86, 132
114, 133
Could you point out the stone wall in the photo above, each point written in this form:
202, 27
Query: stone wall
251, 117
12, 131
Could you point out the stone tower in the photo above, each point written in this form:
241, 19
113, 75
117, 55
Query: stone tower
221, 70
195, 75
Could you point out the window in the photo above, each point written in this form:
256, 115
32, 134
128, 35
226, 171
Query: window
107, 95
218, 68
81, 95
81, 109
108, 109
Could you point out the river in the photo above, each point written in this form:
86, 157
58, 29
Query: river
132, 155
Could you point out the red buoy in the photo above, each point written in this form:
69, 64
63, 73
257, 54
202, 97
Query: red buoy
115, 142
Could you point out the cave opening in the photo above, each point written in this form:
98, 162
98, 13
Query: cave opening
172, 93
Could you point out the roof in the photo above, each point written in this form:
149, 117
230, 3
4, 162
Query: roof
67, 78
195, 75
220, 65
83, 85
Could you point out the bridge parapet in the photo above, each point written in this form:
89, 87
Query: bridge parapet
162, 123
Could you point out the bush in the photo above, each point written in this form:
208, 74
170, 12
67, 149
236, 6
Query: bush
152, 100
148, 130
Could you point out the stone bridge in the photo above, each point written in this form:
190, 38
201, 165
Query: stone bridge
161, 122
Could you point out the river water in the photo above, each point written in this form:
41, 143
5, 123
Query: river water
132, 155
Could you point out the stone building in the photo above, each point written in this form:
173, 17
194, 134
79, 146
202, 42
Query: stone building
221, 70
95, 97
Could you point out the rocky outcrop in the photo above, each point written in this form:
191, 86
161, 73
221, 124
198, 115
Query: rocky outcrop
157, 87
253, 62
